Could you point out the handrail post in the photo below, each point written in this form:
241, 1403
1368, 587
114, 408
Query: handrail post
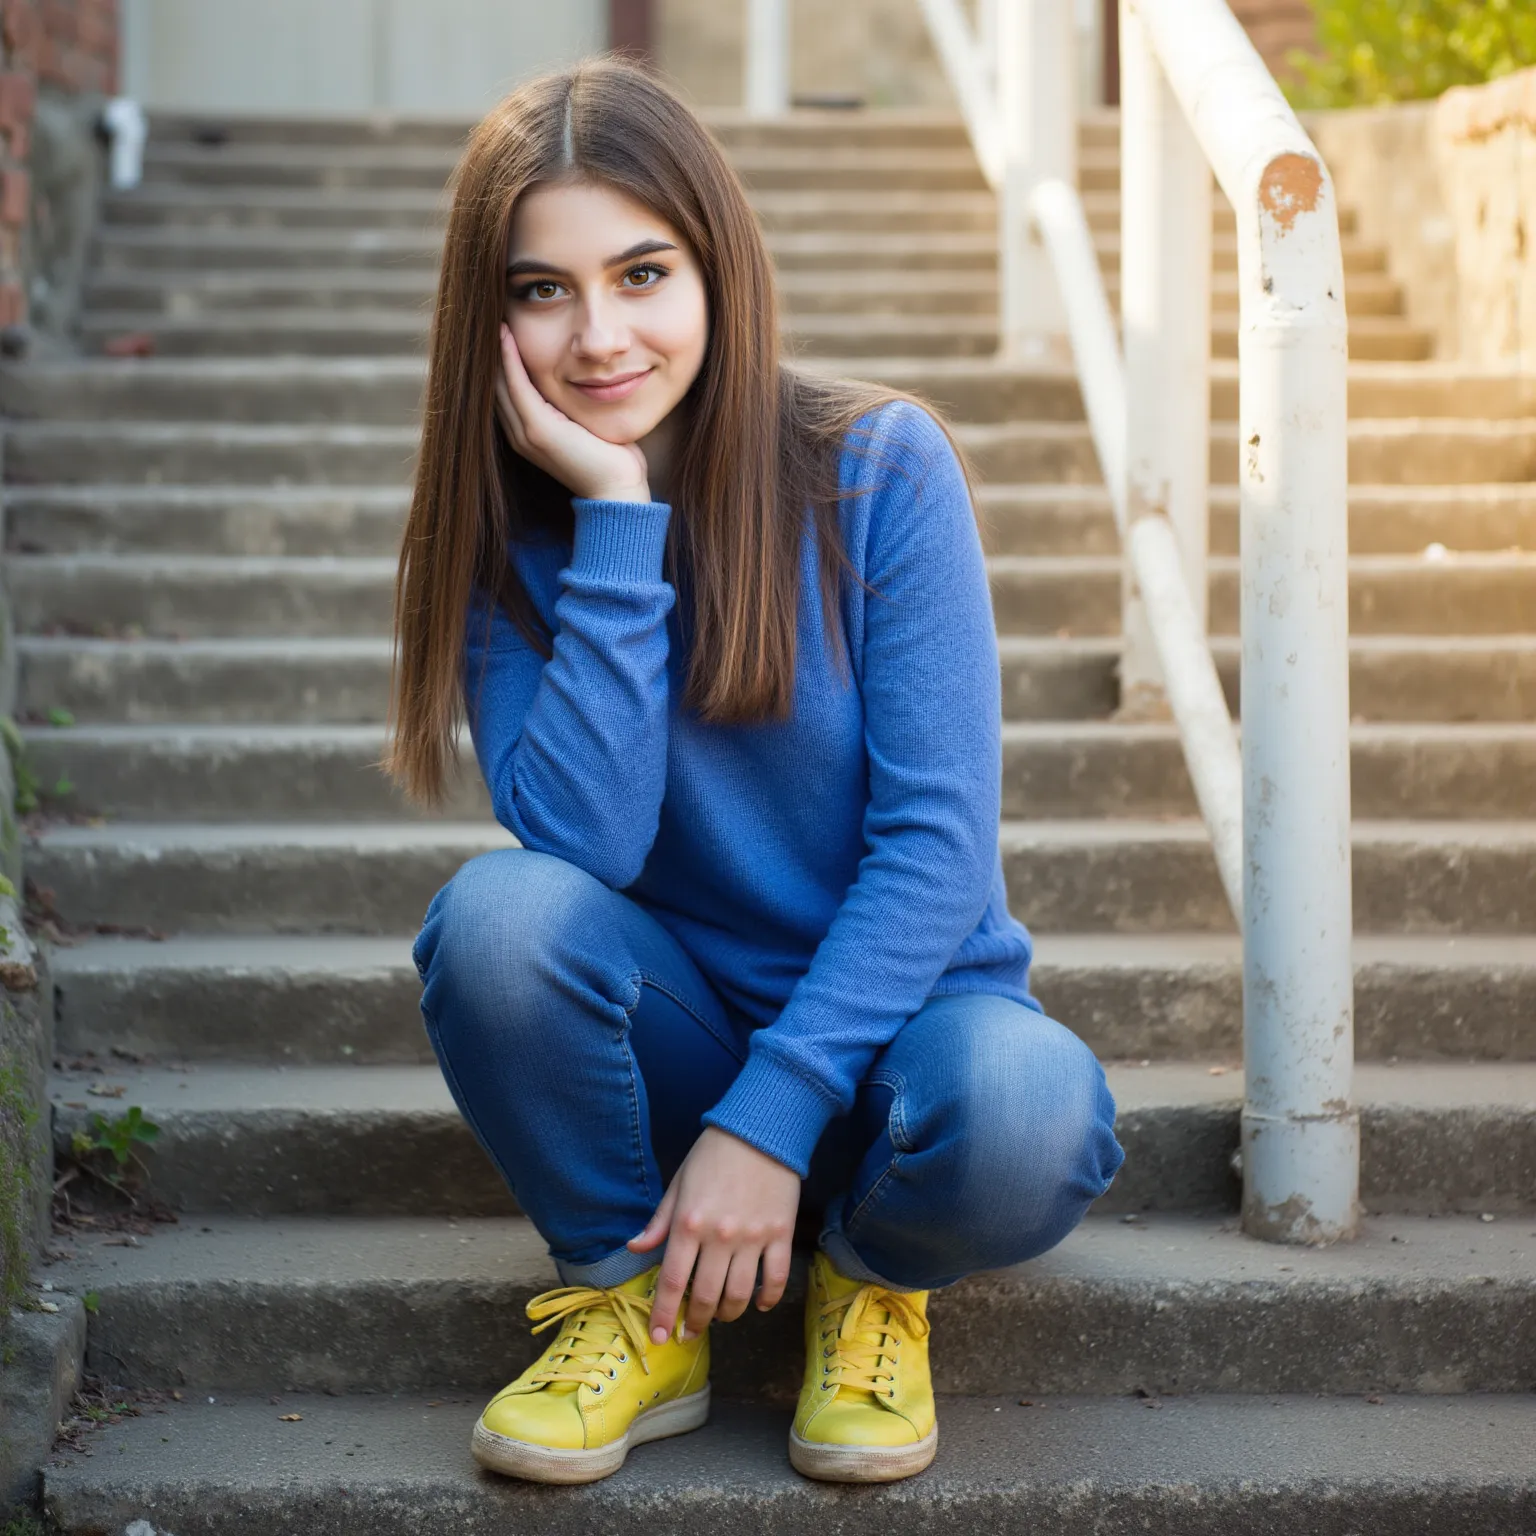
765, 58
1037, 119
1300, 1128
1165, 309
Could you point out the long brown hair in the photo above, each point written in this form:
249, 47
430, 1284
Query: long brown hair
759, 451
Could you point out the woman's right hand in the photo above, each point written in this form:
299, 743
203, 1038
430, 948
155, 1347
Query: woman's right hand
544, 435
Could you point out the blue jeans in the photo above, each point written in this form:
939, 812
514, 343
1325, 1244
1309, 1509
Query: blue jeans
582, 1045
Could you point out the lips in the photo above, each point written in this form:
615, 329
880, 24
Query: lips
618, 387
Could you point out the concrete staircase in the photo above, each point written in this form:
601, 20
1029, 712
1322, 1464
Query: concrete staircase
201, 548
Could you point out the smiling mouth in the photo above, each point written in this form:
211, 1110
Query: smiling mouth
616, 388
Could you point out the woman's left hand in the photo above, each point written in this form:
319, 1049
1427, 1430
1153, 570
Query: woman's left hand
728, 1207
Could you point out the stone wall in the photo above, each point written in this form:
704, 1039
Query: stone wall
58, 60
1448, 188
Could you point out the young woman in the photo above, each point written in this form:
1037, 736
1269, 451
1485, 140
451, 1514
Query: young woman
723, 636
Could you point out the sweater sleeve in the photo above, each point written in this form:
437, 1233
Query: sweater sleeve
574, 749
932, 708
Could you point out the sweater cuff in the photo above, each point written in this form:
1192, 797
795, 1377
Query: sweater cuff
619, 541
773, 1108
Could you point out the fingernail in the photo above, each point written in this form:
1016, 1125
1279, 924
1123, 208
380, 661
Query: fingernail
658, 1335
688, 1333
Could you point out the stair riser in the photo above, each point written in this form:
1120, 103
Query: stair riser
137, 685
780, 172
969, 290
1054, 1337
1128, 886
273, 1162
1059, 453
341, 521
1438, 600
371, 1016
316, 394
201, 1502
170, 779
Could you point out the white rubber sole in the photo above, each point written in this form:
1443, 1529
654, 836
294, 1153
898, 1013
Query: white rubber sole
861, 1463
546, 1464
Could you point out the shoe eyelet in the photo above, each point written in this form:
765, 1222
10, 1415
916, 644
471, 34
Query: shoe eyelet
613, 1375
623, 1359
826, 1386
829, 1351
597, 1391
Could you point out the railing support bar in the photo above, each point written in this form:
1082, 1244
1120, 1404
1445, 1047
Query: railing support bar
1037, 127
766, 58
1165, 308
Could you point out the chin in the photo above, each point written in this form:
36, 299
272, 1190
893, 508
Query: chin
619, 427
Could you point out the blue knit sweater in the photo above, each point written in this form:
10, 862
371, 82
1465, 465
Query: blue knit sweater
827, 873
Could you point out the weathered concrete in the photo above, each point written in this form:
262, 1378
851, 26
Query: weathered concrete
1199, 1466
44, 1354
388, 1140
1069, 876
294, 999
215, 772
1169, 1303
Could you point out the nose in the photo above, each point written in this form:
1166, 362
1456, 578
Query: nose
601, 332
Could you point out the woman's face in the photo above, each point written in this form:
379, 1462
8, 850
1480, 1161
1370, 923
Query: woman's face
607, 307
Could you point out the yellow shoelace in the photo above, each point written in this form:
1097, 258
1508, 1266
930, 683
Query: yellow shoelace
864, 1347
602, 1322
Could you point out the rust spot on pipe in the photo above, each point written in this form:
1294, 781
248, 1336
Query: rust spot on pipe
1290, 185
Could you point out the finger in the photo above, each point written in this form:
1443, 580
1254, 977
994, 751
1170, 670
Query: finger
739, 1284
656, 1229
775, 1275
708, 1278
675, 1269
525, 398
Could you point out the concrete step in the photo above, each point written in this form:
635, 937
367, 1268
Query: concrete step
298, 1000
1167, 1303
916, 291
346, 681
1413, 451
135, 249
1130, 877
388, 1140
264, 519
386, 391
260, 519
379, 332
196, 597
830, 165
1391, 678
1204, 1466
177, 772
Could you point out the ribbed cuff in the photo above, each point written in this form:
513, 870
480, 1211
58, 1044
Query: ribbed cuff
619, 541
771, 1107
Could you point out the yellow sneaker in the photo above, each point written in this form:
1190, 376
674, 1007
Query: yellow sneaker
866, 1405
599, 1388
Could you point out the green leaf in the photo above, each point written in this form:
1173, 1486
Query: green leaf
58, 715
91, 1301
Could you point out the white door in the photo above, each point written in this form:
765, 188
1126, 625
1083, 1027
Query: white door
417, 58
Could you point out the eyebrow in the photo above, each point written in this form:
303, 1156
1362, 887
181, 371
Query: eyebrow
528, 265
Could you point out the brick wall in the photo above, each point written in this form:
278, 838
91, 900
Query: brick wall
68, 46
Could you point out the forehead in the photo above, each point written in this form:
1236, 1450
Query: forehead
568, 222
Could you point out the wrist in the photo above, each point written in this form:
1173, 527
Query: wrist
636, 491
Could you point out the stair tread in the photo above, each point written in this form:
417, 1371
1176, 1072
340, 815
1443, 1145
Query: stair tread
213, 1088
399, 1464
1053, 951
1160, 1250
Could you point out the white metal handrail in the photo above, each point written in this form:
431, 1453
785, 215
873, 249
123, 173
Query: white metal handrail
1197, 98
